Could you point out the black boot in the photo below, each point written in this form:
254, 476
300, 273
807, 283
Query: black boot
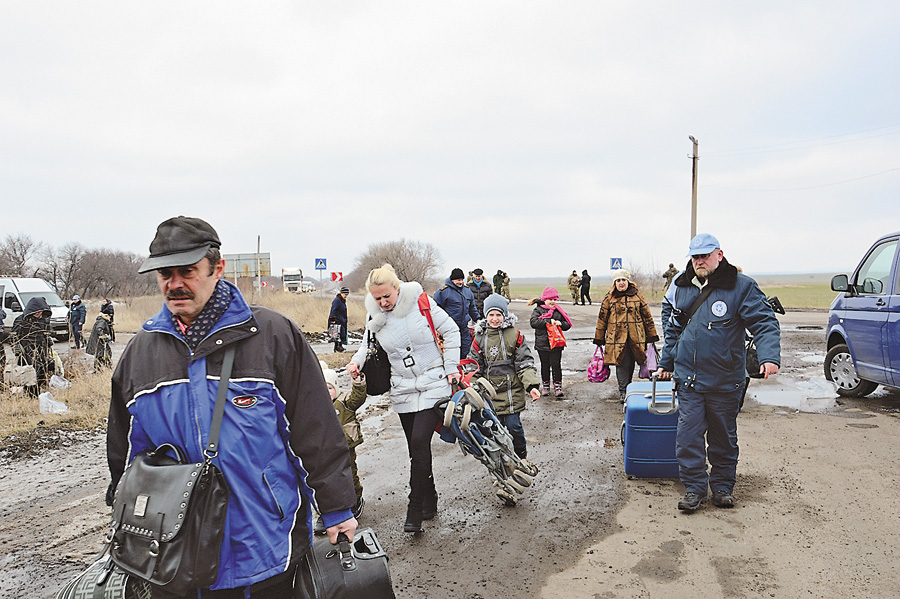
413, 522
429, 506
419, 477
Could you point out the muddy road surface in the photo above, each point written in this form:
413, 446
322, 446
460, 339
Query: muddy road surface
53, 519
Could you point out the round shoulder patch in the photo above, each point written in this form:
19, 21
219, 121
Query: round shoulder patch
719, 308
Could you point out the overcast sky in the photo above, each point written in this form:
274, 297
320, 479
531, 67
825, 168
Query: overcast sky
536, 137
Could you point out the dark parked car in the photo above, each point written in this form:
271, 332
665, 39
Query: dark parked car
864, 323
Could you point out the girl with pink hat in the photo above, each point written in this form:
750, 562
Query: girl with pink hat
548, 311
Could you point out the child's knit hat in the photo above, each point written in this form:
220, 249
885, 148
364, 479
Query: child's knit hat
550, 293
329, 374
496, 302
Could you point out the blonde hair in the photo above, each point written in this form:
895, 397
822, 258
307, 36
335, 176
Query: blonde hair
383, 276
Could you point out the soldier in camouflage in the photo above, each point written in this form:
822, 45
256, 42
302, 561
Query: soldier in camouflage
573, 284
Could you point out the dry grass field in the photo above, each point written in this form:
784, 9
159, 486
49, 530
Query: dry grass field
88, 397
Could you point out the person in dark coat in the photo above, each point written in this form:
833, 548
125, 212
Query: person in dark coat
585, 287
98, 342
480, 289
338, 315
108, 309
77, 315
32, 342
457, 300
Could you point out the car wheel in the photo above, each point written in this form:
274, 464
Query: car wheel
839, 370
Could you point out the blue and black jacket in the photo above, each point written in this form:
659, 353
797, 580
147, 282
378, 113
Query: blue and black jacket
708, 355
282, 450
459, 303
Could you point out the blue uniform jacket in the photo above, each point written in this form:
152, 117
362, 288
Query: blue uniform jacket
708, 354
458, 302
282, 450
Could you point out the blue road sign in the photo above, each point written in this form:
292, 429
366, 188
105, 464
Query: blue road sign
320, 264
615, 264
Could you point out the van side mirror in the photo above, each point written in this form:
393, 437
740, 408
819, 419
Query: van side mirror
873, 286
14, 305
840, 283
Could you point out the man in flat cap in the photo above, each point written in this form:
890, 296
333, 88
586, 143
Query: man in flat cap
279, 437
704, 315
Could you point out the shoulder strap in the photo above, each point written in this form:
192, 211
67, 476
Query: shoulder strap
425, 310
689, 313
227, 362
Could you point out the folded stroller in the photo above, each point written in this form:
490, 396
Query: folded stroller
469, 416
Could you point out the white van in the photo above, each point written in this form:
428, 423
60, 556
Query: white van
17, 291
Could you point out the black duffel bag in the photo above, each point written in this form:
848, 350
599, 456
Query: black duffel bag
357, 570
101, 581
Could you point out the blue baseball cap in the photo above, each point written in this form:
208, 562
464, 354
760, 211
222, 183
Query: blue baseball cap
702, 243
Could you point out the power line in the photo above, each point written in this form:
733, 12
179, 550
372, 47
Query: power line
809, 187
808, 143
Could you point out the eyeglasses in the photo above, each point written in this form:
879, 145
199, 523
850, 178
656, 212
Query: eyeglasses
700, 256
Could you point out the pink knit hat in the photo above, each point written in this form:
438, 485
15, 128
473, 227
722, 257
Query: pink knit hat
549, 293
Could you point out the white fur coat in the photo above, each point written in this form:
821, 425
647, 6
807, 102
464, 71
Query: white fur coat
418, 372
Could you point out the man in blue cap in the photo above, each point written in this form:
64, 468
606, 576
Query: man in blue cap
704, 353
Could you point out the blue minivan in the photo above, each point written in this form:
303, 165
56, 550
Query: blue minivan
864, 323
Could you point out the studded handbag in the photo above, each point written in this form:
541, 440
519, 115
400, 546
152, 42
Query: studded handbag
168, 517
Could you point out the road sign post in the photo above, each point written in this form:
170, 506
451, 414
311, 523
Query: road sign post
615, 264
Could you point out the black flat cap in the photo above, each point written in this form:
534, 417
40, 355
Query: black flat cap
180, 241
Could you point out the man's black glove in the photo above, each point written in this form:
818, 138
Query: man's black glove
598, 342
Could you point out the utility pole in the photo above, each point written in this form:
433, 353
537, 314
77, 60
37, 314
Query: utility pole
694, 159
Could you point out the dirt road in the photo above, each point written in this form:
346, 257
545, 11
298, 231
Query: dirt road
815, 514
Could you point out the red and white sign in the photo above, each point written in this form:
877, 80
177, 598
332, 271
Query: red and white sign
337, 276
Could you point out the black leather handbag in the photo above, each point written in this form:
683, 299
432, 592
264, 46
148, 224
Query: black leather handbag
377, 367
169, 515
357, 570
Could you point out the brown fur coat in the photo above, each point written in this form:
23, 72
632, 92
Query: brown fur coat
625, 319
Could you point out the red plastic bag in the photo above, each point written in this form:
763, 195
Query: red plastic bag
555, 334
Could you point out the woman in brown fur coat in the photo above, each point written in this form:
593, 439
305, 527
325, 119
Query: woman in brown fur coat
625, 326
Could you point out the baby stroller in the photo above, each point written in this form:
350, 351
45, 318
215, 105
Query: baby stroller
469, 416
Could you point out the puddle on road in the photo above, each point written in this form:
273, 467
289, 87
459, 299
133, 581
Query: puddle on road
814, 395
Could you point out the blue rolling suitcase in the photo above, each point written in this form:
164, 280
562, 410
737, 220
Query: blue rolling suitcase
648, 432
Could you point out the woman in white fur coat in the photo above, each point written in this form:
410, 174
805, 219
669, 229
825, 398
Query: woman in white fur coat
420, 375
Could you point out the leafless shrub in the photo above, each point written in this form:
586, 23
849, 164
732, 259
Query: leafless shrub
412, 260
16, 256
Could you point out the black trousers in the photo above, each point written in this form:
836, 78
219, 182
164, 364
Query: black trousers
283, 589
625, 369
419, 429
585, 294
551, 362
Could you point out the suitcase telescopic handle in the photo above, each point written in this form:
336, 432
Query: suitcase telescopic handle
663, 408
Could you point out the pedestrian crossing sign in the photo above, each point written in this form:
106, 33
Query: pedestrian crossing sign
320, 264
615, 264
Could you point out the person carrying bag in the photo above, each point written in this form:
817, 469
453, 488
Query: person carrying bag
169, 514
